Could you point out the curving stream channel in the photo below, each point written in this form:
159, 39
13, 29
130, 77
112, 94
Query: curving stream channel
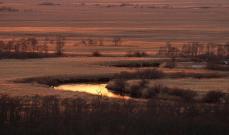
94, 89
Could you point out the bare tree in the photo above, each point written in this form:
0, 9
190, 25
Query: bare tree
171, 51
60, 42
92, 42
45, 46
200, 49
194, 48
185, 50
168, 48
84, 42
33, 43
11, 45
220, 51
117, 41
23, 45
226, 48
2, 44
17, 48
101, 42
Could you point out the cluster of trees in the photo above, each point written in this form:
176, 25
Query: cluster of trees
117, 41
31, 45
8, 9
194, 49
23, 45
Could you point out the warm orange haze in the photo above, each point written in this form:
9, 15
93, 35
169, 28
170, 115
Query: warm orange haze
114, 67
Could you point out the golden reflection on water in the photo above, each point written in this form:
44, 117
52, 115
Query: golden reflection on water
95, 89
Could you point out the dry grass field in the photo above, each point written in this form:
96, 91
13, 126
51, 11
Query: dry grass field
141, 22
11, 69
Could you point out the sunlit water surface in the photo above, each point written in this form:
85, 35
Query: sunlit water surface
94, 89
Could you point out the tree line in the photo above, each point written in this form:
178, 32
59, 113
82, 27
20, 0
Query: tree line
195, 49
31, 45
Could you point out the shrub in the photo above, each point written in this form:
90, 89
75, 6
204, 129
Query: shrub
135, 89
149, 74
159, 88
116, 85
170, 64
137, 54
227, 99
96, 54
185, 95
216, 66
214, 97
149, 93
141, 90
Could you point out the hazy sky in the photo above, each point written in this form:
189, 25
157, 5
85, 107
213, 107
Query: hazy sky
155, 1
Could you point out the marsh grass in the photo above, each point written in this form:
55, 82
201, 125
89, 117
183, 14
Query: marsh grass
194, 75
214, 97
58, 80
141, 74
142, 89
216, 66
136, 64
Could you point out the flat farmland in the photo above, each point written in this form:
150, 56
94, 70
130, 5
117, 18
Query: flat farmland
145, 21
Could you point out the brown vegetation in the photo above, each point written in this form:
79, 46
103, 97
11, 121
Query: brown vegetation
141, 89
52, 115
157, 74
214, 97
216, 64
141, 74
136, 64
58, 80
